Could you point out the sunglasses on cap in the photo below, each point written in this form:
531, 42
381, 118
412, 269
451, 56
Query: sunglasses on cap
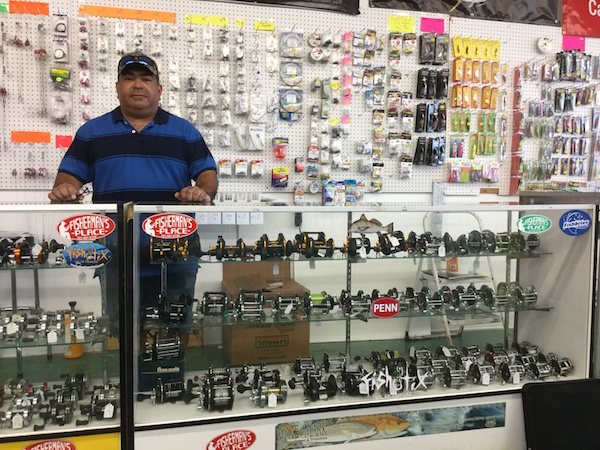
128, 60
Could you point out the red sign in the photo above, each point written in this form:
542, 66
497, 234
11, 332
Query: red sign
385, 307
86, 227
581, 17
169, 225
233, 440
51, 445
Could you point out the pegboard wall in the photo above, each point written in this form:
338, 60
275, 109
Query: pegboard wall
32, 135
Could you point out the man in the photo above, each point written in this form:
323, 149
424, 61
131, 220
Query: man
139, 152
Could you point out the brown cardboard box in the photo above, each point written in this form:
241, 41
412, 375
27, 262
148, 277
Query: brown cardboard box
263, 343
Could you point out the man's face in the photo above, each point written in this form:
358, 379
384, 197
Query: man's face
138, 91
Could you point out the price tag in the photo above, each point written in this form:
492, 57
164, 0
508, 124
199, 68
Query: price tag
202, 218
11, 328
256, 218
272, 400
218, 21
52, 337
442, 251
403, 24
322, 252
214, 218
323, 396
468, 364
485, 379
17, 422
363, 389
394, 241
516, 378
393, 387
79, 334
362, 253
264, 25
240, 23
288, 308
228, 218
109, 411
243, 218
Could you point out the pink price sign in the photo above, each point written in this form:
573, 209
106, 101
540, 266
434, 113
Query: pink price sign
430, 25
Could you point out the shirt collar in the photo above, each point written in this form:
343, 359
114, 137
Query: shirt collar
161, 117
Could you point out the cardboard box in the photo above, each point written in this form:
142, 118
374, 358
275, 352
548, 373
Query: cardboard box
264, 343
257, 343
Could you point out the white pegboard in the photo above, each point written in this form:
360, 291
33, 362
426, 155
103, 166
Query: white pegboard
23, 76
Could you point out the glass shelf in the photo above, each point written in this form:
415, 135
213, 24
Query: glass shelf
370, 257
268, 318
41, 341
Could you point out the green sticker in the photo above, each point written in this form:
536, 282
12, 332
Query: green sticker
4, 7
534, 224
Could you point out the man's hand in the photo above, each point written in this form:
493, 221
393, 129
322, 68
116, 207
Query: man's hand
193, 194
65, 193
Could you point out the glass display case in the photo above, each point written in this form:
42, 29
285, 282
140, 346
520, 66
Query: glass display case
60, 367
248, 312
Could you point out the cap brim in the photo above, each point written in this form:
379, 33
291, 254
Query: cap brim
138, 66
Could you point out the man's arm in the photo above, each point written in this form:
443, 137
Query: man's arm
203, 192
65, 189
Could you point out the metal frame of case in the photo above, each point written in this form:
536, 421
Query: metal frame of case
520, 323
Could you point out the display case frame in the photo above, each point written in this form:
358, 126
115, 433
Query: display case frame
242, 218
51, 254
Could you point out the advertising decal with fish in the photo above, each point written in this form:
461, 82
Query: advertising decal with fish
373, 427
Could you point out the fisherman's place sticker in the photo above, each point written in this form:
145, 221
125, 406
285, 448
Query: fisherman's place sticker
575, 222
534, 224
86, 227
54, 444
232, 440
169, 225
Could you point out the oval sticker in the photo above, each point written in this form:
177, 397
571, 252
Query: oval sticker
86, 227
534, 224
169, 225
575, 222
385, 307
232, 440
86, 254
51, 444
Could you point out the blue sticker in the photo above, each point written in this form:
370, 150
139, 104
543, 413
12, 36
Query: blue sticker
87, 254
575, 222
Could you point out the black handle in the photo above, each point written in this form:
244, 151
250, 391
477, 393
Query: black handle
39, 427
82, 422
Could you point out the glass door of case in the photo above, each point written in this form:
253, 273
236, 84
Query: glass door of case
59, 318
245, 311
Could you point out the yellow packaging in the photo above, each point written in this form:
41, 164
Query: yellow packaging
476, 71
476, 48
466, 96
457, 46
458, 69
486, 72
468, 47
468, 70
496, 50
486, 49
475, 97
486, 99
495, 72
494, 99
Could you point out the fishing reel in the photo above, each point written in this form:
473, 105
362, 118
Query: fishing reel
249, 305
321, 303
56, 413
174, 250
273, 249
267, 388
214, 304
169, 312
217, 391
351, 304
222, 250
160, 349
